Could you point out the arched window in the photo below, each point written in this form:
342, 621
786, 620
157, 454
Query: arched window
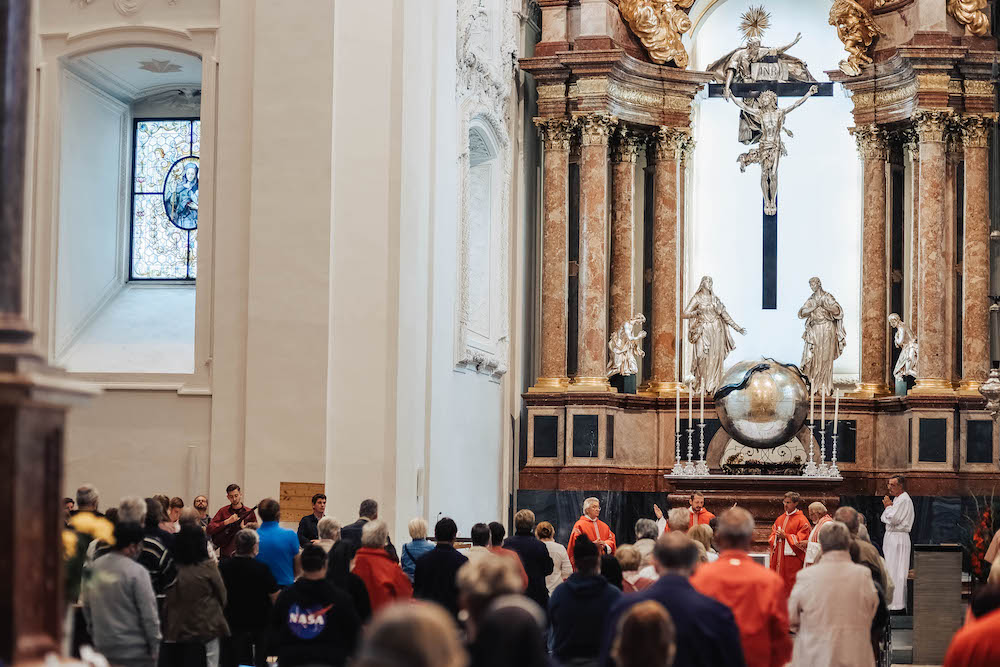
165, 193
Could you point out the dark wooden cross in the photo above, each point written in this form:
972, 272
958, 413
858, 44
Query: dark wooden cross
769, 273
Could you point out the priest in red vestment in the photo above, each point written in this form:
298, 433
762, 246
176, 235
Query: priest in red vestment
592, 528
788, 540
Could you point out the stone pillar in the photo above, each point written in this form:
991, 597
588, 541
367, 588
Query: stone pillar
933, 372
976, 254
912, 147
556, 135
622, 291
592, 339
872, 146
667, 144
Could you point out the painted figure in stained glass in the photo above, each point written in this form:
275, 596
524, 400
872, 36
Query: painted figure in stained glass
180, 197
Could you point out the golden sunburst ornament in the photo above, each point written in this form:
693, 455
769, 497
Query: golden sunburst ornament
754, 21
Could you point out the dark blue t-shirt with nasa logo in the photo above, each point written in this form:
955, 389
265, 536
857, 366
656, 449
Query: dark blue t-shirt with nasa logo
314, 623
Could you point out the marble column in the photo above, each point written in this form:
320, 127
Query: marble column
933, 372
872, 146
912, 148
622, 292
666, 147
556, 136
976, 254
592, 339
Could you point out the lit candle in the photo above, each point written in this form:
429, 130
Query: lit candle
836, 410
678, 407
812, 399
822, 410
701, 412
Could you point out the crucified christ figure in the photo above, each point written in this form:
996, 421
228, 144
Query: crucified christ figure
771, 148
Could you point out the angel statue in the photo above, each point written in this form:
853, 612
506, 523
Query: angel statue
771, 147
857, 30
710, 336
908, 350
626, 347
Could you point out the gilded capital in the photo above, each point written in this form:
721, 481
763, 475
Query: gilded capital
557, 133
667, 143
596, 129
872, 142
972, 14
975, 129
626, 145
931, 124
659, 25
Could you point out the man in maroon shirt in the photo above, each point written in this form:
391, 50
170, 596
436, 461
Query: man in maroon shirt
230, 520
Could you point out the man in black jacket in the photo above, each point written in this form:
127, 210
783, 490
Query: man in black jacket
434, 577
352, 532
534, 556
314, 622
250, 592
309, 524
579, 608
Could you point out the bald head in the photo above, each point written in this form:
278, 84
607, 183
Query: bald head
735, 529
849, 517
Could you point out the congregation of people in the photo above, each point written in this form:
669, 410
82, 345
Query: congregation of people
178, 586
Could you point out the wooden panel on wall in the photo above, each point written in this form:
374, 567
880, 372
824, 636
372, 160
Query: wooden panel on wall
296, 499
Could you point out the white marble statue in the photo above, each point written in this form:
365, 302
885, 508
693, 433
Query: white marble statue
907, 344
824, 336
625, 347
709, 334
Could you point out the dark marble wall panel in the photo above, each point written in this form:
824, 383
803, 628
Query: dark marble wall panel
585, 436
933, 440
979, 441
546, 436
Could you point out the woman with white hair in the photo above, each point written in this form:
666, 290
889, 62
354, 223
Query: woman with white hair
412, 551
328, 530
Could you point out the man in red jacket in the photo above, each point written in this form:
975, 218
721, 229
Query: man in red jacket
755, 595
593, 529
384, 578
789, 539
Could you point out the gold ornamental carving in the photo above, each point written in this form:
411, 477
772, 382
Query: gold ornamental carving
626, 145
857, 30
884, 98
932, 124
557, 133
551, 91
872, 142
972, 14
596, 129
978, 88
975, 129
934, 83
659, 25
648, 99
668, 143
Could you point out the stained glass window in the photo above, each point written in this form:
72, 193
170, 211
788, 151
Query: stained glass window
165, 200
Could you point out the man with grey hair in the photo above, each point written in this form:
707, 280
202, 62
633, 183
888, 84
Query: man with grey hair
866, 553
131, 509
755, 594
592, 528
706, 630
328, 530
832, 606
384, 579
819, 516
367, 511
250, 591
87, 498
646, 533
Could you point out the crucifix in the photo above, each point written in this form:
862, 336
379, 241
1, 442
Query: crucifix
761, 75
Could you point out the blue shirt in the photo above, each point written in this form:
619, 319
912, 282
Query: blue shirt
278, 549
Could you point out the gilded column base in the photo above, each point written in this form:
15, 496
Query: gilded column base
662, 388
549, 386
870, 390
591, 384
935, 386
969, 388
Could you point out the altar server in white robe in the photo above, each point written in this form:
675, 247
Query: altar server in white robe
898, 520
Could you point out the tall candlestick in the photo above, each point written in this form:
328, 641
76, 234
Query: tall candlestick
701, 411
836, 410
822, 408
812, 400
678, 428
690, 409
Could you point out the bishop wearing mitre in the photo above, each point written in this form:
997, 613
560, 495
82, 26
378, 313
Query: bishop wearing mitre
789, 540
592, 528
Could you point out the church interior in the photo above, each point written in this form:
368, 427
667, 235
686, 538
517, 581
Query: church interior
472, 257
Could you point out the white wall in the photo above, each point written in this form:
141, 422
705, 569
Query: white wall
819, 198
94, 131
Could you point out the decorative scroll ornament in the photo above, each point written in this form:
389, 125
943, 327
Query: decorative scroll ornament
857, 30
972, 14
659, 25
625, 347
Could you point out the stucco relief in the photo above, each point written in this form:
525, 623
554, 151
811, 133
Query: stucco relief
487, 46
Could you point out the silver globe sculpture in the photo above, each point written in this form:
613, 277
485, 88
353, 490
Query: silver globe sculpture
762, 403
